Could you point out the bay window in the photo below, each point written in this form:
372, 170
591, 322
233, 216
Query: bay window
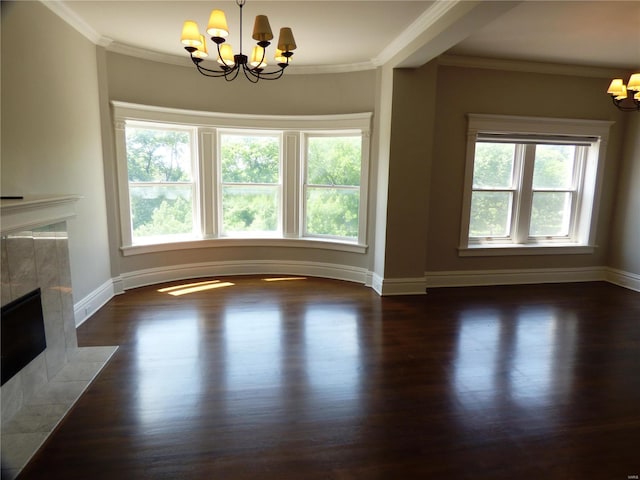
187, 177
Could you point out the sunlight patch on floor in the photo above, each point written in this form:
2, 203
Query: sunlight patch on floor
186, 288
283, 279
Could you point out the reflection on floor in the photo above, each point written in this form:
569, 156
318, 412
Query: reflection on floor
317, 379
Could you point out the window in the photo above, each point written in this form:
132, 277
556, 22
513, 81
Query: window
530, 183
187, 177
332, 186
249, 183
160, 182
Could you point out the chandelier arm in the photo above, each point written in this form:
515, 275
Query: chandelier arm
251, 75
232, 74
623, 108
274, 75
207, 72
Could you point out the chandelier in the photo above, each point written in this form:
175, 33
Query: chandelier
232, 64
618, 91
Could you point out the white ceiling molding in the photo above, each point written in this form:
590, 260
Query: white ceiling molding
425, 21
184, 61
528, 66
73, 20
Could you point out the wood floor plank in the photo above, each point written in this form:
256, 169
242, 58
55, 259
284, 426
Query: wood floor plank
321, 379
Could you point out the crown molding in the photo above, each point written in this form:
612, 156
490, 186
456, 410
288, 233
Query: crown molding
426, 20
184, 61
72, 19
529, 66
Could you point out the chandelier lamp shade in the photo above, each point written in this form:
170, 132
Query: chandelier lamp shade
626, 97
255, 66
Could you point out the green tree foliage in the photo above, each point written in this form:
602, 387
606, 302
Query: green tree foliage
333, 212
250, 160
159, 156
553, 169
172, 216
493, 169
333, 162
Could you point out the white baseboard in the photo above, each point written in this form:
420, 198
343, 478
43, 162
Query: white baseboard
90, 304
399, 286
514, 276
153, 276
86, 307
623, 279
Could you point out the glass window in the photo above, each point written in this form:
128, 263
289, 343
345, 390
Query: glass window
531, 182
240, 179
161, 183
250, 183
332, 186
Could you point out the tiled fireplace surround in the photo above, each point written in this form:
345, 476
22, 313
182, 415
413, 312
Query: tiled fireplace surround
35, 253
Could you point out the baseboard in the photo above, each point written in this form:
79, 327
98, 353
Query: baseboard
623, 279
154, 276
398, 286
90, 304
86, 307
514, 276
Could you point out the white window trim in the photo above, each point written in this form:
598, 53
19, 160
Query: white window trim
206, 126
587, 208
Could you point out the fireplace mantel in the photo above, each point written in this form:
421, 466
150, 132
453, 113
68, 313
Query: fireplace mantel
35, 211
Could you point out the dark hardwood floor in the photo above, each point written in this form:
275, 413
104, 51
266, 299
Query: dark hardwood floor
320, 379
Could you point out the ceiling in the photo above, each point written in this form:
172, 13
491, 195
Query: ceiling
353, 35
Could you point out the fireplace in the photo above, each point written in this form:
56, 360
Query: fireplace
22, 333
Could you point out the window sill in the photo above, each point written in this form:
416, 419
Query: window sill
128, 250
509, 250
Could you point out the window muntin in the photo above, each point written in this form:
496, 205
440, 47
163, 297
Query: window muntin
333, 174
161, 183
553, 195
250, 183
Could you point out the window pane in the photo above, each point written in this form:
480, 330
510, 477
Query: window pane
333, 211
554, 166
334, 160
490, 214
493, 165
158, 155
249, 209
161, 210
550, 214
250, 158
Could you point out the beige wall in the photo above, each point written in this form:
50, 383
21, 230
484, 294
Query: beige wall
51, 142
412, 129
467, 90
148, 82
625, 245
